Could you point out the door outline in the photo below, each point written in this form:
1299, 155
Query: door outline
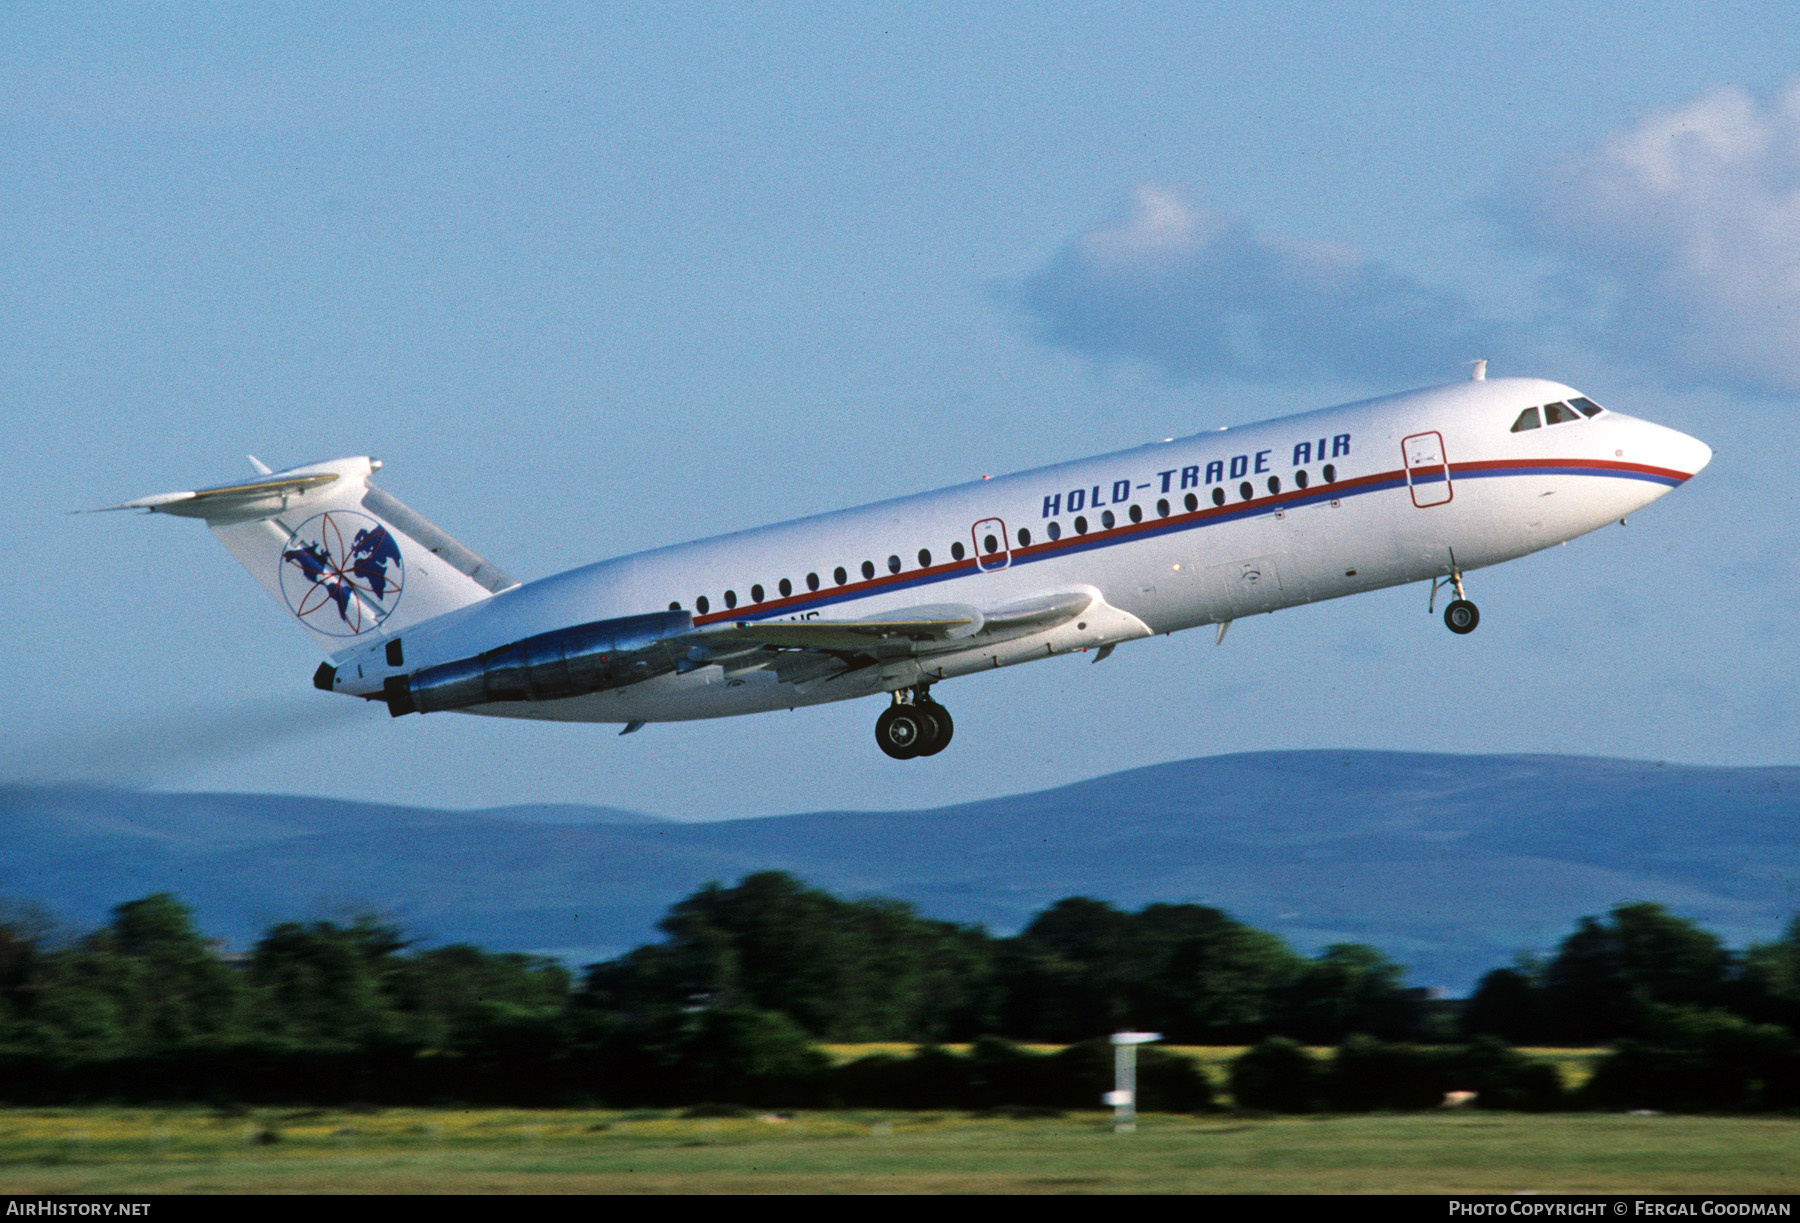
1427, 457
1000, 557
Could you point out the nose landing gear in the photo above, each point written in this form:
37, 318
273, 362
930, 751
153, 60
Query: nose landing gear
1460, 615
914, 725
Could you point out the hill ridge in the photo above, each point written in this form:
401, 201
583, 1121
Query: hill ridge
1450, 863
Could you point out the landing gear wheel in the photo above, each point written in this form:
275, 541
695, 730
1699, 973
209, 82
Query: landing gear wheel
902, 730
942, 727
1461, 616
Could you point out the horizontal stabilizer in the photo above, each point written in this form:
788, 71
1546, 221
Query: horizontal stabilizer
237, 502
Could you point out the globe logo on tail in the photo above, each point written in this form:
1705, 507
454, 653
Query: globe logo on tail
341, 573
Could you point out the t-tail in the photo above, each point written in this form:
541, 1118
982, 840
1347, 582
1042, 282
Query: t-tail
347, 560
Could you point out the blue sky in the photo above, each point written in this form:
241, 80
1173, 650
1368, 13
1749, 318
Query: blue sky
590, 280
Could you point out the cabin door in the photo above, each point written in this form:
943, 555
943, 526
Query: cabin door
1427, 469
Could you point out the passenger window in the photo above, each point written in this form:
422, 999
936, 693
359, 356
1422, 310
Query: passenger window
1586, 406
989, 544
812, 581
756, 594
924, 558
1054, 531
786, 588
1246, 490
1162, 509
956, 550
1192, 502
839, 576
1528, 419
1080, 526
868, 568
1300, 477
731, 598
893, 564
1330, 473
675, 606
1024, 537
1107, 520
1275, 484
1137, 513
700, 605
1560, 414
1218, 496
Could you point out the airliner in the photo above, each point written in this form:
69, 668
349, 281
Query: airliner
896, 597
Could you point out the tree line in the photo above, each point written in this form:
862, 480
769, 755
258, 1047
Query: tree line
747, 980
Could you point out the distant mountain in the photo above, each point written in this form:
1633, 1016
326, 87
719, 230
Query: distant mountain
570, 813
1450, 864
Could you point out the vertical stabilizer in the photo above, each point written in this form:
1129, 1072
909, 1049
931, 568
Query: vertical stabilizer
347, 560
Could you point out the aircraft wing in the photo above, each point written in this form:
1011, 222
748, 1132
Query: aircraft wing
803, 650
855, 635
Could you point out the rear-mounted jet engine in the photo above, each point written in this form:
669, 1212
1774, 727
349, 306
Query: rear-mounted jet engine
551, 666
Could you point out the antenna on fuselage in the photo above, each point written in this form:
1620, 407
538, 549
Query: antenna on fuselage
1478, 370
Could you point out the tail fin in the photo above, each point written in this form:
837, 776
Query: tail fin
346, 559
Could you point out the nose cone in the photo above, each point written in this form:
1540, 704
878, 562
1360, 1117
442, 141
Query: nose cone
1683, 453
1677, 456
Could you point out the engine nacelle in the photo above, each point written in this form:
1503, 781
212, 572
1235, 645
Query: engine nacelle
568, 662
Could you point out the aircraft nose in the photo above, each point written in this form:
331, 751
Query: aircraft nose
1684, 453
1669, 449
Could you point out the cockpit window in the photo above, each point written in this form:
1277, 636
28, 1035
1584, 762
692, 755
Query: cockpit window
1528, 419
1586, 406
1560, 414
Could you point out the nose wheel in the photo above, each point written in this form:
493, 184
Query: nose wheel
914, 725
1460, 615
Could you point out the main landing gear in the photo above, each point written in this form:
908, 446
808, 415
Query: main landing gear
1460, 615
914, 725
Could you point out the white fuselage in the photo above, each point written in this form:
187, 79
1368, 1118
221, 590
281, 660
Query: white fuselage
1399, 489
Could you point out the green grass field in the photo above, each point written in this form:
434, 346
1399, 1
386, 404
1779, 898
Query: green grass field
405, 1150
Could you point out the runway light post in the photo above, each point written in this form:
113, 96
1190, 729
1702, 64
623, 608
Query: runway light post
1123, 1096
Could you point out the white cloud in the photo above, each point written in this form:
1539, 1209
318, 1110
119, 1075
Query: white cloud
1160, 228
1196, 294
1684, 233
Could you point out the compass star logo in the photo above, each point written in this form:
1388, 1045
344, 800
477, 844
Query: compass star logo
341, 573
